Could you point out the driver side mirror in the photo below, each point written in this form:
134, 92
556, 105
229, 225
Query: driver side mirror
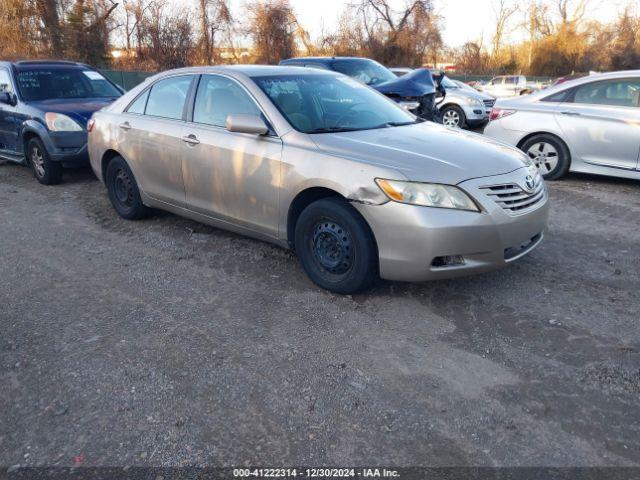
8, 98
243, 123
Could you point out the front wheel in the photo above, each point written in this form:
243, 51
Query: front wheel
453, 116
46, 171
336, 247
123, 190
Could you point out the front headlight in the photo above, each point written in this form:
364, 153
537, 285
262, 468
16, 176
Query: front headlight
427, 194
474, 101
57, 122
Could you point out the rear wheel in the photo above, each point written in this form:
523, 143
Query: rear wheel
336, 247
453, 116
123, 190
46, 171
549, 154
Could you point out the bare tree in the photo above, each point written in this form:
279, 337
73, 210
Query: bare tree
272, 27
504, 12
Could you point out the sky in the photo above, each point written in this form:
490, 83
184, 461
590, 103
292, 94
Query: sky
463, 20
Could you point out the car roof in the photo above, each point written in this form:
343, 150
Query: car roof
247, 70
322, 59
48, 63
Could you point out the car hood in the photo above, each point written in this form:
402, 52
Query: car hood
464, 93
79, 109
425, 152
413, 84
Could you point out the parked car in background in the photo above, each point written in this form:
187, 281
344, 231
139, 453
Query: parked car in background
464, 107
44, 109
414, 91
316, 161
586, 125
507, 86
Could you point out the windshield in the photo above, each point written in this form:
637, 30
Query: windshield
448, 83
366, 71
329, 103
56, 83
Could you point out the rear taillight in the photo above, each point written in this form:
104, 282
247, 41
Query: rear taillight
498, 113
90, 124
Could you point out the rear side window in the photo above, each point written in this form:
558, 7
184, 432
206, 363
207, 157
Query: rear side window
617, 93
139, 103
218, 97
168, 97
557, 97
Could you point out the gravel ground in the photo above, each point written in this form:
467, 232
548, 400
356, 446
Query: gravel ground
167, 342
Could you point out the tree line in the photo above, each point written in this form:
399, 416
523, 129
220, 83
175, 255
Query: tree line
555, 37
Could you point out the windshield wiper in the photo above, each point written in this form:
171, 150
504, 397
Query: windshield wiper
401, 124
333, 129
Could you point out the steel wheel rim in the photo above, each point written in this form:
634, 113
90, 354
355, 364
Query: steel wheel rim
37, 160
332, 247
123, 188
451, 118
544, 155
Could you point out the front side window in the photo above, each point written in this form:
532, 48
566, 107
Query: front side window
218, 97
5, 82
511, 80
618, 93
168, 97
329, 103
40, 83
366, 71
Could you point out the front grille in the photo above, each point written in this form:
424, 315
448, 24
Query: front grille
513, 198
489, 103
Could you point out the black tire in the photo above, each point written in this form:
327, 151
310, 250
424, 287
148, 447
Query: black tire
336, 247
123, 190
458, 112
563, 155
46, 171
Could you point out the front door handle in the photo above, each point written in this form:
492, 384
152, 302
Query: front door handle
125, 126
191, 139
573, 114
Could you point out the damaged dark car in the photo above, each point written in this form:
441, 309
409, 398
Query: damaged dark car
415, 91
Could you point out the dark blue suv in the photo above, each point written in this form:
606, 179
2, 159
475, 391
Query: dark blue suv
44, 110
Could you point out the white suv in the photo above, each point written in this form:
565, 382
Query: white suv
507, 86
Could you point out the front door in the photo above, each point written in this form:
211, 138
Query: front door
601, 122
8, 127
232, 176
151, 131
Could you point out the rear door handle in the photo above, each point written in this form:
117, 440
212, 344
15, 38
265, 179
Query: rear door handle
573, 114
125, 126
191, 139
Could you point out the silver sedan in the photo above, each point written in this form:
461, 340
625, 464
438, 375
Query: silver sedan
589, 125
316, 161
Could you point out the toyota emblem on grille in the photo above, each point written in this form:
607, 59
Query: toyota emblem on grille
530, 183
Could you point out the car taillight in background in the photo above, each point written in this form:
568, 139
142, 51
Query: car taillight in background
90, 124
498, 113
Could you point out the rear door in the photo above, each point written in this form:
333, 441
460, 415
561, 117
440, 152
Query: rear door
151, 132
232, 176
601, 122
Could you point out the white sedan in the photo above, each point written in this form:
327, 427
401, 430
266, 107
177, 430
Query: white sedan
589, 125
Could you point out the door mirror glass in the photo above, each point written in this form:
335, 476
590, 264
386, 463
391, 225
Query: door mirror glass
242, 123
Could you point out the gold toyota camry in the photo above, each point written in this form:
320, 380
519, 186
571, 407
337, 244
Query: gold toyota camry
315, 161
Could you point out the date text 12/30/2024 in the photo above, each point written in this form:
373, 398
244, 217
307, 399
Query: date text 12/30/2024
315, 473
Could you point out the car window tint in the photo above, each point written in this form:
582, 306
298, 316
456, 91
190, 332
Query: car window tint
218, 97
618, 93
511, 80
5, 82
138, 105
167, 97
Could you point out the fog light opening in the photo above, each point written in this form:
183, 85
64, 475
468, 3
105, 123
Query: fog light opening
448, 261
